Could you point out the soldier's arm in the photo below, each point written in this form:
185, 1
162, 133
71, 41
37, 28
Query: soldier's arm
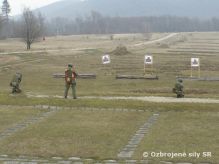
21, 77
75, 74
66, 75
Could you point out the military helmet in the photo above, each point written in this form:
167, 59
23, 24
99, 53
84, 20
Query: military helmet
70, 65
180, 80
18, 74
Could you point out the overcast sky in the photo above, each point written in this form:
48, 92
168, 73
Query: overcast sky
18, 5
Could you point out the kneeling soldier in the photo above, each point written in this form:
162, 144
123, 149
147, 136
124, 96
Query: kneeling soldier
15, 82
178, 89
70, 81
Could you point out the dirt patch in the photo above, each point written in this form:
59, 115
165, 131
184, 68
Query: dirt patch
120, 50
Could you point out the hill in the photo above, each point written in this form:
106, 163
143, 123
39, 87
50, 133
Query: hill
125, 8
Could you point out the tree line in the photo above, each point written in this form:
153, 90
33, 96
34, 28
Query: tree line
98, 24
31, 26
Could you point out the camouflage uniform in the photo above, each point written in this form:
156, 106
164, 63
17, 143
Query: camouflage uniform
15, 82
70, 81
178, 89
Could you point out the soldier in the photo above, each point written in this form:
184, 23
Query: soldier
179, 88
70, 80
15, 82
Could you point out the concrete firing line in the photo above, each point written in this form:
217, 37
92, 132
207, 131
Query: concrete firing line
129, 149
23, 125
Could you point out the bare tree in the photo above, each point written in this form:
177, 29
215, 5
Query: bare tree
5, 15
6, 9
41, 20
32, 27
1, 22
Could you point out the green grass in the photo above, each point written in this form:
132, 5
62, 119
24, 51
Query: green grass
101, 134
183, 131
10, 116
98, 135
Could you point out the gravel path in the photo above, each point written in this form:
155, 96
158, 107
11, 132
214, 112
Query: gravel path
161, 99
146, 98
157, 40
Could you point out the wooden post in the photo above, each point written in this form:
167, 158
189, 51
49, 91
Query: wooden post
152, 67
199, 71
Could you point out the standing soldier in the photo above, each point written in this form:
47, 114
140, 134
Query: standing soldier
15, 82
179, 88
70, 80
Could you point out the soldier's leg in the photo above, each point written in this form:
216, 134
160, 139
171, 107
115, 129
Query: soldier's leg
18, 90
74, 90
67, 86
13, 90
14, 87
180, 94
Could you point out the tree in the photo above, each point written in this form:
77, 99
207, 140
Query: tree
41, 20
1, 22
6, 10
5, 14
32, 27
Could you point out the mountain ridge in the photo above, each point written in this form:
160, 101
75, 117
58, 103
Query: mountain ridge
131, 8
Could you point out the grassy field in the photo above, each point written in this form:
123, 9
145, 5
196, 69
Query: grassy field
10, 116
102, 134
184, 131
97, 135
